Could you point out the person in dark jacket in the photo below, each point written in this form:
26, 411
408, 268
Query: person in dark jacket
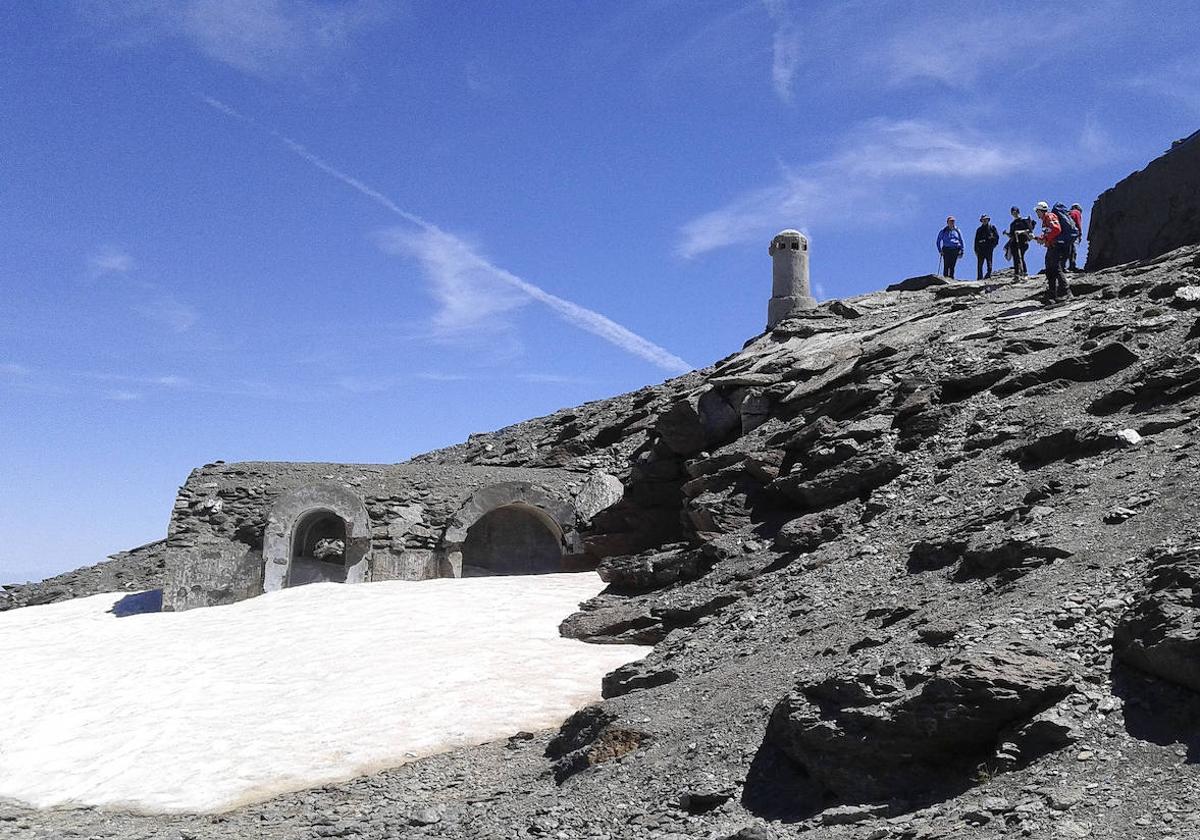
1019, 232
986, 240
1077, 217
950, 246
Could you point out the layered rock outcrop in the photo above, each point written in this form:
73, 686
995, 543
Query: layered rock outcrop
1151, 212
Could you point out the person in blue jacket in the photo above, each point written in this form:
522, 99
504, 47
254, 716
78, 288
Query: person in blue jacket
950, 246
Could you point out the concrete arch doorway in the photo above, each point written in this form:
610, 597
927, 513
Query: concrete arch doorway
318, 549
316, 533
513, 539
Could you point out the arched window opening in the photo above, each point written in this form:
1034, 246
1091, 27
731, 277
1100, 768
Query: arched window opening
515, 539
318, 549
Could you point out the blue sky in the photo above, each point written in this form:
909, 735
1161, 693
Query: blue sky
302, 230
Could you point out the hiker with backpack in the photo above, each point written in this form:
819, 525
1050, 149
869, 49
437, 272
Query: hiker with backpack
1019, 232
986, 240
950, 246
1076, 213
1058, 232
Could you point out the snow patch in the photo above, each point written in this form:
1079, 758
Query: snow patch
205, 710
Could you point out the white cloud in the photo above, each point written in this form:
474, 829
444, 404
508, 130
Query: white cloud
470, 299
110, 260
363, 385
436, 376
1096, 143
474, 296
881, 152
785, 47
261, 37
165, 381
553, 379
1177, 82
123, 396
472, 293
958, 50
14, 370
171, 313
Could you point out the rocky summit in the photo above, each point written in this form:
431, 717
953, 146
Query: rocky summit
919, 564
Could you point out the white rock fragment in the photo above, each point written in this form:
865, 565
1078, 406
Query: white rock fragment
1130, 437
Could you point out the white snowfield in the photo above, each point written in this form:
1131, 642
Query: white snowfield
205, 710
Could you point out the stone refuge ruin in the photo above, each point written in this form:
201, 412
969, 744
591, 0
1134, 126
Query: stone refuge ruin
238, 530
919, 564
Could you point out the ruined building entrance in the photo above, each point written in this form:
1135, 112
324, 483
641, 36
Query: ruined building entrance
318, 549
515, 539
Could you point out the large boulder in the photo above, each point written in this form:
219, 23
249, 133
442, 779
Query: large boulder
652, 570
697, 422
903, 731
852, 478
1150, 212
598, 492
1160, 633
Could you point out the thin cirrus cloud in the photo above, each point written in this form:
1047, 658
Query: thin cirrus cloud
884, 152
150, 300
962, 51
786, 43
169, 312
265, 38
14, 370
469, 289
110, 260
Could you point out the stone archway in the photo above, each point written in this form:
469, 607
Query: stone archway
512, 527
516, 539
315, 533
318, 549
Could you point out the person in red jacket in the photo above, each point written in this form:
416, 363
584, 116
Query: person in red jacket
1077, 215
1055, 257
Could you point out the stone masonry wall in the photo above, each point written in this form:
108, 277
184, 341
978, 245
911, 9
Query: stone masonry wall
216, 533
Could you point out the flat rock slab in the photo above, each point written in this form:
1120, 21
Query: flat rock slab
916, 284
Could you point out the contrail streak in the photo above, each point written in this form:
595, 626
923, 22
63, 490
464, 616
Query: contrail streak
574, 314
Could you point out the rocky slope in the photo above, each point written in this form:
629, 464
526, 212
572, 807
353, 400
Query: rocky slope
137, 570
920, 564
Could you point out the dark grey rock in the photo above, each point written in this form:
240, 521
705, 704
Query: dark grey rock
921, 281
1160, 633
901, 733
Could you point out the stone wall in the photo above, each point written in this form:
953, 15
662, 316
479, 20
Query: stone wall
230, 532
1149, 213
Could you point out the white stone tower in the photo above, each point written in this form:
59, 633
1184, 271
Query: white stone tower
789, 276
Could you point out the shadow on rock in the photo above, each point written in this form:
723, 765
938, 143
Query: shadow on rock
1158, 711
138, 603
779, 789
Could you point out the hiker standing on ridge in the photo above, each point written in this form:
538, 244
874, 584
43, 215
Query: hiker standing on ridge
950, 246
1077, 215
986, 240
1019, 232
1052, 237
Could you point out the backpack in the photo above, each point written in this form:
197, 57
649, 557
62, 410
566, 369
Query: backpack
1070, 231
